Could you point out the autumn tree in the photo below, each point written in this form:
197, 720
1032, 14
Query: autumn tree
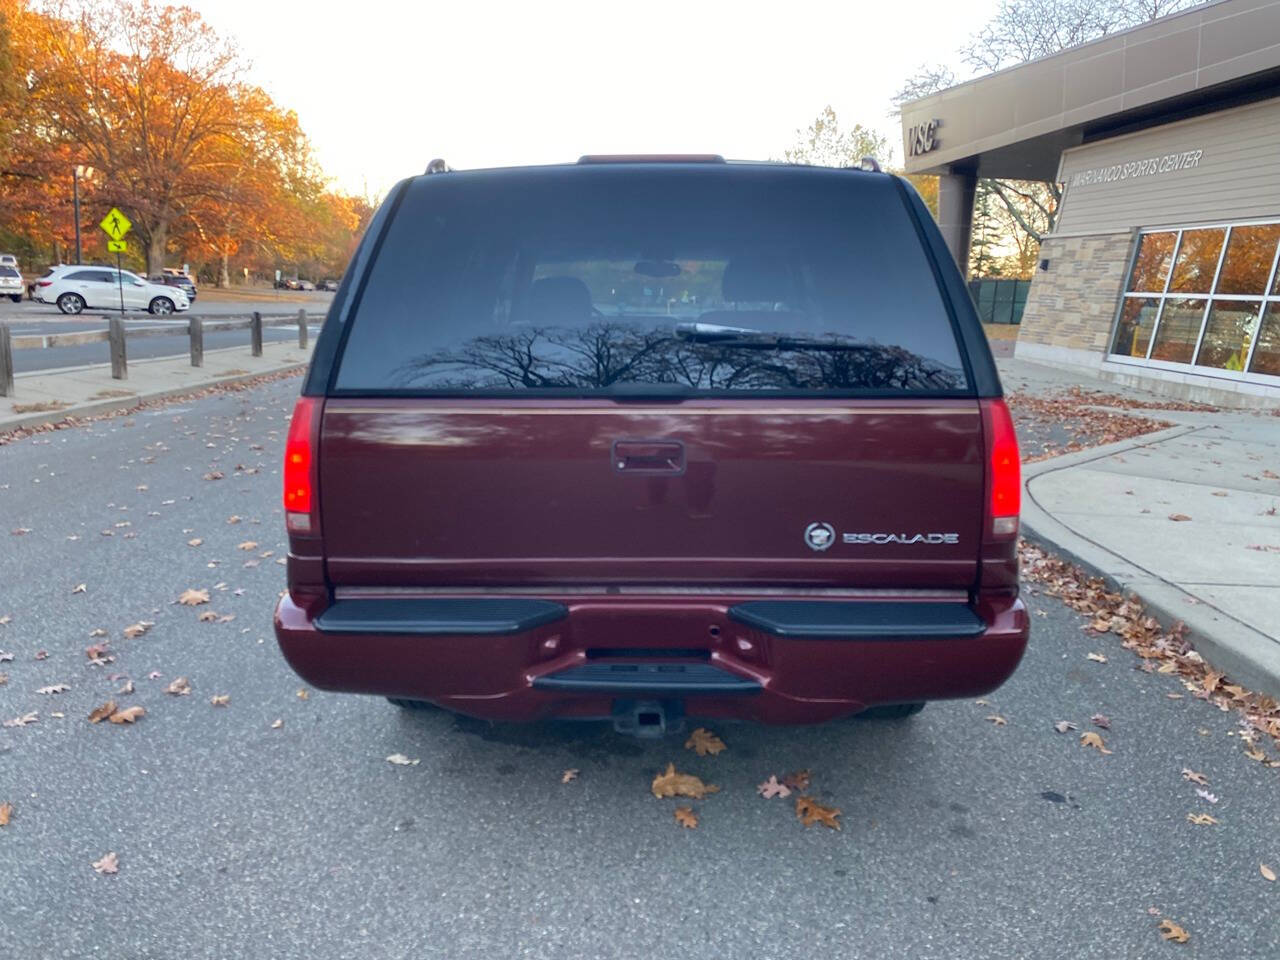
825, 144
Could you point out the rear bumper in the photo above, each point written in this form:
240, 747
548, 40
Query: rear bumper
748, 657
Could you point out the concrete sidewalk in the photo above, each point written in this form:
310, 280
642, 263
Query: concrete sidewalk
42, 397
1110, 508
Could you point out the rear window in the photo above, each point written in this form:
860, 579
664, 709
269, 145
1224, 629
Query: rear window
711, 281
9, 271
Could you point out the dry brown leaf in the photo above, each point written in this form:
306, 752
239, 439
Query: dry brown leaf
799, 780
24, 720
400, 760
214, 475
672, 784
80, 588
302, 693
1171, 931
110, 863
137, 629
127, 688
54, 688
277, 725
1097, 657
179, 687
247, 545
1201, 819
194, 542
1200, 778
809, 812
207, 616
568, 775
102, 712
220, 699
772, 788
686, 817
703, 741
97, 632
1179, 517
1255, 753
1267, 873
127, 715
1065, 726
191, 598
1091, 739
998, 720
6, 811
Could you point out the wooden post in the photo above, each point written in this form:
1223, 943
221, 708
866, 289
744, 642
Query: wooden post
255, 329
6, 362
119, 358
195, 327
302, 329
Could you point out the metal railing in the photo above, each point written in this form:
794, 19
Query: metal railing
117, 336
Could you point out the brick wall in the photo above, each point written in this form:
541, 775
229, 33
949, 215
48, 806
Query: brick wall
1073, 303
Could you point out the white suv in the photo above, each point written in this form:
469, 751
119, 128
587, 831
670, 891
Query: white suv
76, 288
10, 282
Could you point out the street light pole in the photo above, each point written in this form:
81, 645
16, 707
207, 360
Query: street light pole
78, 171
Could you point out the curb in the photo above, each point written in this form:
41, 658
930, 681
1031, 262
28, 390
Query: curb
1247, 656
115, 404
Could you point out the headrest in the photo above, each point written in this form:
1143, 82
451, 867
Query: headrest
557, 300
758, 279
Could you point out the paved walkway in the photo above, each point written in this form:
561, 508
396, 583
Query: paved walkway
1112, 508
40, 397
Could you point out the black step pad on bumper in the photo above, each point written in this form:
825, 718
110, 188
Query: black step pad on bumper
675, 679
438, 617
869, 620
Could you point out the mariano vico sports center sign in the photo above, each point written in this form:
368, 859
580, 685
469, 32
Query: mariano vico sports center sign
1134, 169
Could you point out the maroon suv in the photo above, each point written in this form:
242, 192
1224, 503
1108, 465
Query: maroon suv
635, 440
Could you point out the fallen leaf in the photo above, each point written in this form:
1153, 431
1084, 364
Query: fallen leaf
214, 475
772, 788
1171, 931
102, 712
97, 632
127, 715
154, 675
302, 693
6, 811
703, 741
686, 817
1099, 720
799, 780
108, 864
277, 725
191, 598
1201, 819
672, 784
24, 720
127, 688
1200, 778
42, 655
1255, 753
80, 588
809, 812
54, 688
220, 699
194, 542
247, 545
1064, 726
998, 720
400, 760
1267, 873
180, 687
1097, 657
570, 774
1091, 739
137, 629
1179, 517
207, 616
1204, 794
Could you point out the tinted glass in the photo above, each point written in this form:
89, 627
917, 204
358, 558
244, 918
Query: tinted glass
82, 275
1151, 266
1246, 268
717, 279
1197, 260
1266, 355
1137, 320
1179, 329
9, 272
1231, 326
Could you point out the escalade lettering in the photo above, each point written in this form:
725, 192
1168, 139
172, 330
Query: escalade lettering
881, 538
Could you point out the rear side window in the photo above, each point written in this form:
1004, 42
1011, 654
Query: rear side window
724, 280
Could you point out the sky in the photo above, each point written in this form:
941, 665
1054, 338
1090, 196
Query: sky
382, 87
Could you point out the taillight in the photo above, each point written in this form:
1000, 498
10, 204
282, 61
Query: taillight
44, 283
1005, 469
299, 468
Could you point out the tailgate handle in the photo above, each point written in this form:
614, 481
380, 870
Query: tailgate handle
648, 456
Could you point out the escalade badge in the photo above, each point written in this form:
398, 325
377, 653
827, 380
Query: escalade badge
819, 536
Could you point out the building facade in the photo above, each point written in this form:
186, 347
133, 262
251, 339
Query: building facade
1161, 268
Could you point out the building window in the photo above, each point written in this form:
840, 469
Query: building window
1207, 298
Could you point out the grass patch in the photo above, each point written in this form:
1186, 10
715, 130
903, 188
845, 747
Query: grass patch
112, 394
45, 406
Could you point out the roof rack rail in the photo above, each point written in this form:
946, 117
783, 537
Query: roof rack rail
651, 158
437, 166
870, 164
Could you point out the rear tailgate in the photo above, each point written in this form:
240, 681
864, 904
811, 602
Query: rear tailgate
435, 492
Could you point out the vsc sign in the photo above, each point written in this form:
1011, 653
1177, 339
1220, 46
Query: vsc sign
923, 137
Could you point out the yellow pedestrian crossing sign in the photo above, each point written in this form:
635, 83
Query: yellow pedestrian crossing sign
116, 224
117, 246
